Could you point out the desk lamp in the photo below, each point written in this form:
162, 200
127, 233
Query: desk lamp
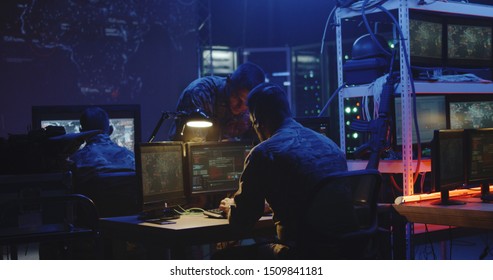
196, 118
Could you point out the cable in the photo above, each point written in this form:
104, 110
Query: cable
358, 6
450, 242
431, 242
367, 24
325, 29
413, 90
335, 93
189, 211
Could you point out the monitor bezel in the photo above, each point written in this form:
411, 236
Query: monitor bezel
426, 61
167, 199
464, 98
426, 144
469, 133
73, 112
189, 165
467, 63
439, 184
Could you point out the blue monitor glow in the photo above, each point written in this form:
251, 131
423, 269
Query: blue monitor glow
426, 43
432, 114
448, 166
159, 167
469, 43
215, 166
125, 120
470, 113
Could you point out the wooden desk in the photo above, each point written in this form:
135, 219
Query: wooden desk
188, 230
390, 166
473, 214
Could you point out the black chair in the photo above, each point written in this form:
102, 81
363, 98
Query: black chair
341, 219
115, 193
39, 208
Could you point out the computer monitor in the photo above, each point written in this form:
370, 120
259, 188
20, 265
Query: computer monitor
470, 111
448, 167
469, 43
479, 156
215, 166
432, 115
125, 120
425, 40
159, 166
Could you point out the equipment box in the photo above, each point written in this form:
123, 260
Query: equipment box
364, 71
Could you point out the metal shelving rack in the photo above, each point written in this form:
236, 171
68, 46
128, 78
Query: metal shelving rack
404, 7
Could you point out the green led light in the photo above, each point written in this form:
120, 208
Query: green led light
355, 109
355, 135
348, 110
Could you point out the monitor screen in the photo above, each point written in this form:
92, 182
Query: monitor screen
447, 161
160, 170
431, 112
425, 41
125, 120
215, 166
123, 130
470, 114
479, 155
469, 44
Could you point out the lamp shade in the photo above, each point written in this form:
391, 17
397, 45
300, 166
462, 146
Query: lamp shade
198, 118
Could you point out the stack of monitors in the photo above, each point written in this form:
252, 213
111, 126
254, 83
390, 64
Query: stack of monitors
446, 41
461, 158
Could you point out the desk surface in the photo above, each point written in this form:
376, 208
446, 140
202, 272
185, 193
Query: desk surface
390, 166
473, 214
188, 230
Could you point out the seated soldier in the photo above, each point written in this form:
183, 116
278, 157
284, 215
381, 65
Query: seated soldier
100, 154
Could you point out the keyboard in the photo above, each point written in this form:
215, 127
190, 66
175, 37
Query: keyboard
215, 213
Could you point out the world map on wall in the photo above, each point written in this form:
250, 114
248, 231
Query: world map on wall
98, 37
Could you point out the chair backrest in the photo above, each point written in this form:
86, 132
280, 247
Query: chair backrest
341, 216
115, 194
40, 208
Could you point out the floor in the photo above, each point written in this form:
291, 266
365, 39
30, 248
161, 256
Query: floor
445, 243
431, 243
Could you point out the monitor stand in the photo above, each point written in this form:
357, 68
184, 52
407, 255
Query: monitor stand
446, 201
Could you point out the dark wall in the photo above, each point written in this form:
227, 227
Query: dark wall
94, 52
274, 23
78, 52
